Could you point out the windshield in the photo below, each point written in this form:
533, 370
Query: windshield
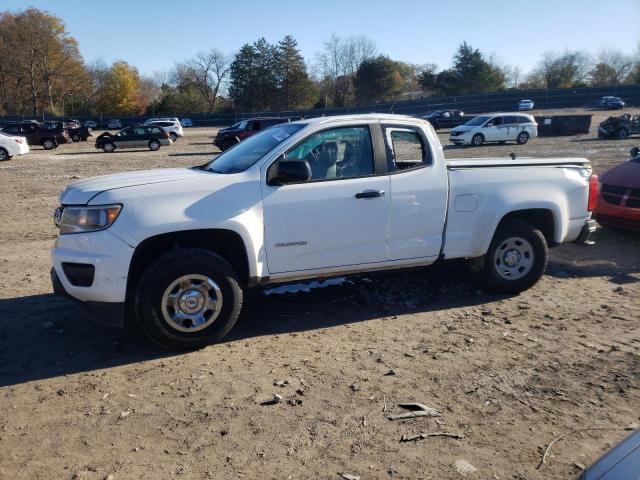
474, 122
239, 125
248, 152
435, 114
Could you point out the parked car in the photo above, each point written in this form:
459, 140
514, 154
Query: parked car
611, 103
526, 105
74, 129
115, 123
39, 134
91, 124
496, 127
158, 119
173, 128
622, 462
315, 198
230, 136
445, 118
619, 127
11, 145
186, 122
619, 199
139, 136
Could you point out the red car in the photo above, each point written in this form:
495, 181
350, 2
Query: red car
618, 203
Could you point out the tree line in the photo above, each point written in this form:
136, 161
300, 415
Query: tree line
42, 72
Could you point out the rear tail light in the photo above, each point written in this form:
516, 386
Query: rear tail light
593, 192
19, 140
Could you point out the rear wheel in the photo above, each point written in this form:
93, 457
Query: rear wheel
477, 140
187, 299
76, 137
154, 145
4, 155
173, 136
49, 143
523, 137
516, 259
108, 147
622, 134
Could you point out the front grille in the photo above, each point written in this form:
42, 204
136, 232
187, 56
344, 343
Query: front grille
623, 196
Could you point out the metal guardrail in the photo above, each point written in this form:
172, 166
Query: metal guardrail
478, 103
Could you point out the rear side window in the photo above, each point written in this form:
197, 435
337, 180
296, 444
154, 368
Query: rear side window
155, 130
406, 148
524, 120
510, 119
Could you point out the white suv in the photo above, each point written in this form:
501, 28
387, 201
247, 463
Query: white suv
173, 128
496, 127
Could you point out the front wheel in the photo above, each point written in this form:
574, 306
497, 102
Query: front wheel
516, 259
477, 140
187, 299
622, 134
76, 137
523, 137
48, 144
108, 147
173, 136
154, 145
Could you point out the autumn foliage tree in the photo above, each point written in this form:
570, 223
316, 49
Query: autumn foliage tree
40, 63
119, 93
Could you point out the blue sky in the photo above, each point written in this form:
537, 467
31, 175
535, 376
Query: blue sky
154, 35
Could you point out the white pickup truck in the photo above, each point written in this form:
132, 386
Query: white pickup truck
173, 249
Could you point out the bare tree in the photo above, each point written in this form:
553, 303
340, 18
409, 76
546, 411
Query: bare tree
561, 70
337, 64
207, 72
617, 61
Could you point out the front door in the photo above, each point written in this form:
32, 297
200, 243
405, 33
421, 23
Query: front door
336, 219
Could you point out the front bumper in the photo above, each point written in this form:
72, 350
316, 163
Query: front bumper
617, 216
108, 314
110, 258
458, 140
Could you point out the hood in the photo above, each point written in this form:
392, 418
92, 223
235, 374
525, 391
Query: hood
625, 175
462, 128
81, 193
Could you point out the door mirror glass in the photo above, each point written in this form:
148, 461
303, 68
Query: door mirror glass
283, 172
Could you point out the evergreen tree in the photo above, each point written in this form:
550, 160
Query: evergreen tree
296, 89
377, 79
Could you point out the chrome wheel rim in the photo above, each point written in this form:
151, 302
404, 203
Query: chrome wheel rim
154, 146
513, 258
48, 144
108, 147
191, 303
477, 140
3, 155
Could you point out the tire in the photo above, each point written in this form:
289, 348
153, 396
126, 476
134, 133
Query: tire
108, 147
163, 319
514, 241
622, 134
76, 137
49, 143
154, 145
477, 140
173, 136
522, 138
4, 155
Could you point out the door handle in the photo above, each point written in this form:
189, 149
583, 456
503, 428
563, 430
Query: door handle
370, 194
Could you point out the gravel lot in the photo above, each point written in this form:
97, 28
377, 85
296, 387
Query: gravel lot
508, 374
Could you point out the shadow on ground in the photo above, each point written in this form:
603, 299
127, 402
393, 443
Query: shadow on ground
44, 336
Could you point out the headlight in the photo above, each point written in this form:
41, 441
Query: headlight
85, 219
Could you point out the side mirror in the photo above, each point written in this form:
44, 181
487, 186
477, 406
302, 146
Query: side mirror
283, 172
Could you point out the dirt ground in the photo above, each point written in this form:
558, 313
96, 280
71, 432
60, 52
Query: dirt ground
508, 374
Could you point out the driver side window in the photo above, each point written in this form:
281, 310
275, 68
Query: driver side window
337, 153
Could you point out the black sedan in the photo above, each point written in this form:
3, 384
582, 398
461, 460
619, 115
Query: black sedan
139, 136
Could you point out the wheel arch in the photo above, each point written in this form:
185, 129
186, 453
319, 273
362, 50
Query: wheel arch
226, 243
542, 219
